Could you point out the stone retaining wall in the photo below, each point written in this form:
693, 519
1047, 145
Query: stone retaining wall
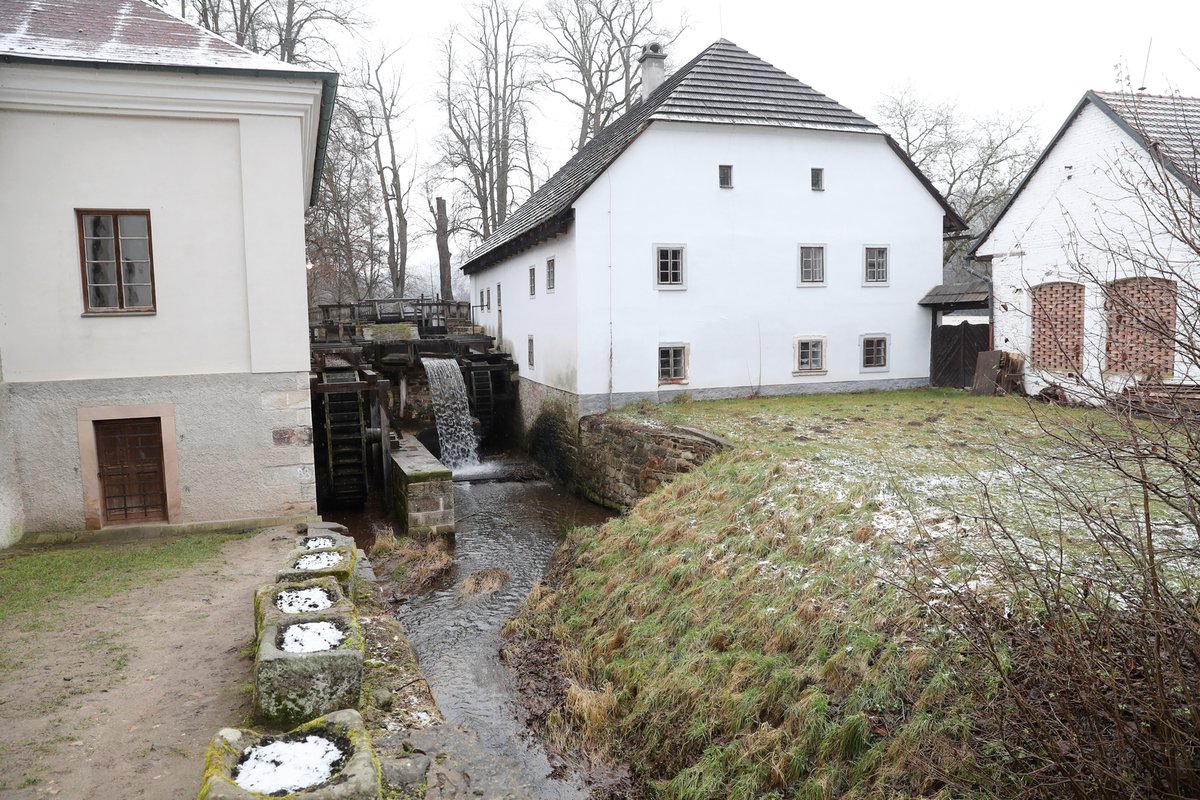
422, 490
620, 462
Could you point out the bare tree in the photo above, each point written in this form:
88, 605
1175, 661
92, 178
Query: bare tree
592, 60
294, 31
975, 162
379, 114
442, 237
487, 87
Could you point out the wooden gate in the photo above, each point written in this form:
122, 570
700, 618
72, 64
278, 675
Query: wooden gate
954, 353
131, 469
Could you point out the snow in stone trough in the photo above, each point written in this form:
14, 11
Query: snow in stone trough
311, 637
287, 766
298, 601
315, 561
318, 543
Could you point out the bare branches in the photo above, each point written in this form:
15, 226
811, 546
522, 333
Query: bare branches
487, 85
294, 31
592, 60
975, 162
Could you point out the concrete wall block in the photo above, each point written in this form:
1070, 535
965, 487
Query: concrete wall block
289, 475
291, 437
286, 400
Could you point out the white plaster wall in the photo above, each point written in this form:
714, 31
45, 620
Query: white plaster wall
742, 307
550, 317
1077, 197
226, 195
229, 465
12, 515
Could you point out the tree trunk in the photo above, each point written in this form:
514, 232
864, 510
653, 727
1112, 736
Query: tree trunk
442, 235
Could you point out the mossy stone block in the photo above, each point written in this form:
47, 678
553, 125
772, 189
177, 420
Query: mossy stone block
290, 688
267, 613
358, 778
342, 571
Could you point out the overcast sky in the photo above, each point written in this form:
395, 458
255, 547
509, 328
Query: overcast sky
1021, 56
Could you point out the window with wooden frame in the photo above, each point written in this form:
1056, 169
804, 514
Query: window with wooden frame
875, 355
549, 275
116, 261
812, 265
531, 350
489, 299
532, 281
875, 265
725, 176
810, 355
498, 305
672, 363
817, 179
669, 266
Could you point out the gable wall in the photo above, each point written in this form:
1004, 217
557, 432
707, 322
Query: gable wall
742, 307
1078, 198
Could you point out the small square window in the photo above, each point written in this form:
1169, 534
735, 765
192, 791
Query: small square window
669, 266
725, 176
817, 176
810, 355
549, 274
672, 363
532, 281
531, 350
875, 265
116, 261
874, 352
812, 263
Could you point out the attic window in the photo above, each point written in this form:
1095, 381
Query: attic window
817, 175
725, 176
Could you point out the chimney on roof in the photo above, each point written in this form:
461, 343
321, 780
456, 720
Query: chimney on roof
653, 63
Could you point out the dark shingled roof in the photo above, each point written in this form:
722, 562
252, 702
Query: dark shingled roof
977, 293
724, 84
1167, 126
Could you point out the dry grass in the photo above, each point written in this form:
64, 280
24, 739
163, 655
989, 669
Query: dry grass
741, 632
485, 581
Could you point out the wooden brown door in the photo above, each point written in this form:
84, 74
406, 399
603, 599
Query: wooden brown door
131, 470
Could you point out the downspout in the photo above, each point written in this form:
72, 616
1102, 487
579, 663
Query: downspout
610, 297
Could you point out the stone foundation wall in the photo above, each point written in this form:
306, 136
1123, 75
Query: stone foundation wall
243, 444
12, 515
422, 490
548, 424
620, 462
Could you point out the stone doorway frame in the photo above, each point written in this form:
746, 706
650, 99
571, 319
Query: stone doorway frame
89, 461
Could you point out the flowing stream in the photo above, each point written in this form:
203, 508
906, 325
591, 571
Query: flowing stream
514, 527
456, 434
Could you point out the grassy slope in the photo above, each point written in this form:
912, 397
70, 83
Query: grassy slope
739, 634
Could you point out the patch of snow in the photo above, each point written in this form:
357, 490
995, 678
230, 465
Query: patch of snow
318, 543
310, 562
298, 601
287, 766
311, 637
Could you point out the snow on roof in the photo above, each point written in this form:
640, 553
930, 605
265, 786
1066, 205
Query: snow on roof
119, 32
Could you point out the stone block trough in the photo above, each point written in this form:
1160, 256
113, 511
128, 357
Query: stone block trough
301, 601
335, 561
307, 668
422, 490
329, 758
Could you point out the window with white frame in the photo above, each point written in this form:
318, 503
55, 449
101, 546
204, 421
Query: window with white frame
498, 305
549, 275
669, 265
532, 281
481, 305
810, 354
875, 265
725, 176
817, 178
672, 363
530, 350
812, 264
874, 347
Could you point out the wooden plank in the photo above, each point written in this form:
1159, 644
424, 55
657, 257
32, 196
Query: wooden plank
987, 373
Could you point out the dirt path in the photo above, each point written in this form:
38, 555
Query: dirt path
121, 697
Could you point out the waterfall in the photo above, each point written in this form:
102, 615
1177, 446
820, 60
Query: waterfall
456, 436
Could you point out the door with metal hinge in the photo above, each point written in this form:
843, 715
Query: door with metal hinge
132, 480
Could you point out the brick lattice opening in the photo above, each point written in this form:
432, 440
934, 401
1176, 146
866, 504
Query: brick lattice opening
1141, 326
1058, 326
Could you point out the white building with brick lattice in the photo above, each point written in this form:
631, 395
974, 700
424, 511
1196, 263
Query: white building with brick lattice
1093, 278
153, 311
